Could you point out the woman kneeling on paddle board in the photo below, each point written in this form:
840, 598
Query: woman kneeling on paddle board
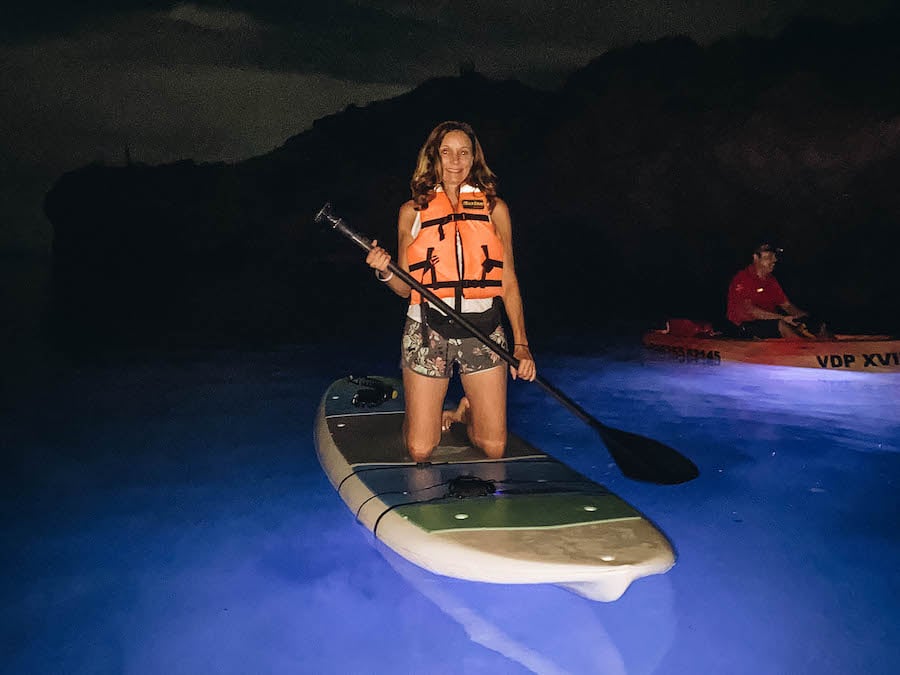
455, 238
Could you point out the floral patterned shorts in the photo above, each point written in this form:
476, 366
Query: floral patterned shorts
436, 358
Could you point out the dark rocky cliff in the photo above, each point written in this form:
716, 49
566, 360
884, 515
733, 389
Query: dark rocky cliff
636, 191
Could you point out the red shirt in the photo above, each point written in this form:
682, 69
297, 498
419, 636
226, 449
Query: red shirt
763, 293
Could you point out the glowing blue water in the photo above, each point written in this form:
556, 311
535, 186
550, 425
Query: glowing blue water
170, 516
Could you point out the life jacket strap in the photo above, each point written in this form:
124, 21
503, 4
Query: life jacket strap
465, 283
426, 266
489, 263
451, 217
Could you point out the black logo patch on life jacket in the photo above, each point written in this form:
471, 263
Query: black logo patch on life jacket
473, 203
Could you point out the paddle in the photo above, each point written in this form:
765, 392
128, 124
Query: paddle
638, 457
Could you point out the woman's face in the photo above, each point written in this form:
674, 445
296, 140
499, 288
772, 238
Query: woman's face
456, 155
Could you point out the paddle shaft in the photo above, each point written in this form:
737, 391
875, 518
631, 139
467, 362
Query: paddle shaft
365, 244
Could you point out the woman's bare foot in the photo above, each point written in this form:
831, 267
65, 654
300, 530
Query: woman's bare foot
461, 414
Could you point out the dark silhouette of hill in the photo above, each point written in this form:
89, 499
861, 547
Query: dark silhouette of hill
637, 190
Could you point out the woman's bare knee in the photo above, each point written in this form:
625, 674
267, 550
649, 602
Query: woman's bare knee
421, 445
420, 449
492, 447
424, 401
486, 392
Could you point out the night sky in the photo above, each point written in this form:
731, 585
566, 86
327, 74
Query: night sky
226, 81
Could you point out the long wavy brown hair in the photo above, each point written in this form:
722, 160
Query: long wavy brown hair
428, 173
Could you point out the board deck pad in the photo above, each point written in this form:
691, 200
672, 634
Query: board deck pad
540, 521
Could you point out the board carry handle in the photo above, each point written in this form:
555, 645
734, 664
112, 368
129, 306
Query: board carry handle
371, 392
638, 457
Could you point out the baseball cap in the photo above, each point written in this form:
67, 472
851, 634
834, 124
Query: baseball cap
766, 246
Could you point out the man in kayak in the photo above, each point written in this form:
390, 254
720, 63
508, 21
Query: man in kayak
758, 306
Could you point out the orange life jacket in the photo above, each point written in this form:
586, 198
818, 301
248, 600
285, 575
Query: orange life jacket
432, 256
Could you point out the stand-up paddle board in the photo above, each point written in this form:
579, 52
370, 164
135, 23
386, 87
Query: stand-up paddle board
524, 519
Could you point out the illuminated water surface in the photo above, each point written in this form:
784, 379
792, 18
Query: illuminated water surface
168, 515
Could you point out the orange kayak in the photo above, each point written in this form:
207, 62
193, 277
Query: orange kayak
859, 353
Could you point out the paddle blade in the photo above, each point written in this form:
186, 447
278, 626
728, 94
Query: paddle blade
645, 459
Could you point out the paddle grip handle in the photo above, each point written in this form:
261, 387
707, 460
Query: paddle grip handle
327, 216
